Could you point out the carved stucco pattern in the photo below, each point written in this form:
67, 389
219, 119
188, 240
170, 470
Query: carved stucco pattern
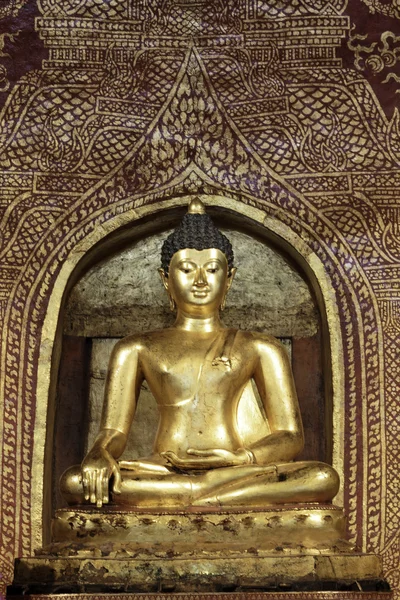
79, 148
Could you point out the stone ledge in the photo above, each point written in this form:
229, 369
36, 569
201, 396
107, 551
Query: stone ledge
197, 573
300, 529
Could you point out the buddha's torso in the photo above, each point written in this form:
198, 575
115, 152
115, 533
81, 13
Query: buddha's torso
197, 400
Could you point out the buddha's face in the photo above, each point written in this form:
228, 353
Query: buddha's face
198, 280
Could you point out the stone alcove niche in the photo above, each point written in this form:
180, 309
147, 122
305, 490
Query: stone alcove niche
118, 292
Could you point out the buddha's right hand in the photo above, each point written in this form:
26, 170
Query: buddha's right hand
97, 469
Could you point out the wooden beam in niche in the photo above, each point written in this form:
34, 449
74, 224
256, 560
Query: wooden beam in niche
309, 379
70, 430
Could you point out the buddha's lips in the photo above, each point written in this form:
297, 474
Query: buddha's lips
200, 293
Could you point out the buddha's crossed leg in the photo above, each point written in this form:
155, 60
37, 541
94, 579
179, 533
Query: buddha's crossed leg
152, 485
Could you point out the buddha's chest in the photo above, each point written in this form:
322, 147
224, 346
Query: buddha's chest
190, 371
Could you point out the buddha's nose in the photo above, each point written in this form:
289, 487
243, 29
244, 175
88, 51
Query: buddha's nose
200, 279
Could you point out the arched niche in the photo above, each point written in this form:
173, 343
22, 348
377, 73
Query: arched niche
152, 224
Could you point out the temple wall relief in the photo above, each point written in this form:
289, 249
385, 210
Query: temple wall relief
135, 108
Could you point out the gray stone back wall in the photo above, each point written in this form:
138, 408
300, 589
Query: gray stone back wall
123, 294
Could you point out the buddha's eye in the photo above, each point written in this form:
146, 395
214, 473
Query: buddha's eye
212, 269
185, 268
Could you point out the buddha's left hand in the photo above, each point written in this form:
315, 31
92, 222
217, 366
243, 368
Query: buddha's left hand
212, 458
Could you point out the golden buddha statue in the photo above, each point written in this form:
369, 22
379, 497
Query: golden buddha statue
197, 371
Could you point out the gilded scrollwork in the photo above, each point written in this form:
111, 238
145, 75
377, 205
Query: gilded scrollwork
390, 9
376, 56
140, 102
276, 9
4, 77
84, 8
10, 8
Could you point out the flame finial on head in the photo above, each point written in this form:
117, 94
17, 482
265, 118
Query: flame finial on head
196, 207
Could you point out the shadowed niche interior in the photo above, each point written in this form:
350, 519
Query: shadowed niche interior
123, 294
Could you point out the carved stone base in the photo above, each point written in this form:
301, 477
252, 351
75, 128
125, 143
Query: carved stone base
304, 529
153, 574
294, 548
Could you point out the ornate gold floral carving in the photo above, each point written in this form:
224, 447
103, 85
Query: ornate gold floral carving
119, 119
376, 56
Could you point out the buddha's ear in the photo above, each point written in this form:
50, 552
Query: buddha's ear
164, 278
231, 277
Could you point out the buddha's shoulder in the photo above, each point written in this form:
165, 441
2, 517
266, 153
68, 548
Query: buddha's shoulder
142, 340
260, 341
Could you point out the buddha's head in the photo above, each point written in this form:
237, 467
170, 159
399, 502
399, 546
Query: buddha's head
197, 263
